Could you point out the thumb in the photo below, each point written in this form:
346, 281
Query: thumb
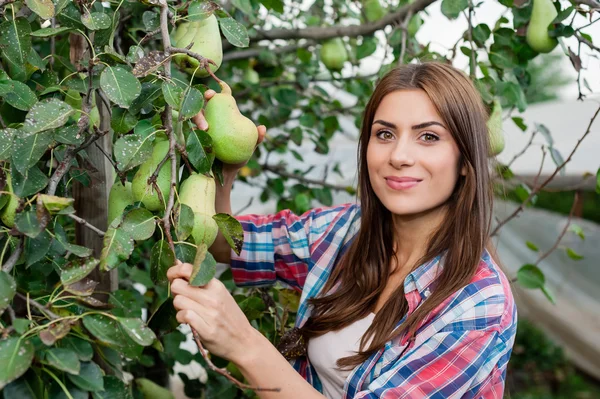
200, 121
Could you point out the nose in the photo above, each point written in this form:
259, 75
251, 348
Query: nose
402, 155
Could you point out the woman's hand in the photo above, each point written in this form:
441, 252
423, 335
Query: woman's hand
213, 313
200, 121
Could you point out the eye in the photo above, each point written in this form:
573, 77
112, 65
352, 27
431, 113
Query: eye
429, 137
384, 135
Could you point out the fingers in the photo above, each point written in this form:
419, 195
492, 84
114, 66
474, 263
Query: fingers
262, 131
208, 94
180, 270
193, 319
200, 121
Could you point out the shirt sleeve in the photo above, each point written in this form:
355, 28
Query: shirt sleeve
451, 364
284, 246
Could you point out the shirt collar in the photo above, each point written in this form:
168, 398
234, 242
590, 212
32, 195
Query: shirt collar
423, 277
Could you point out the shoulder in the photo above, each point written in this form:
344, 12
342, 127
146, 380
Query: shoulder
485, 303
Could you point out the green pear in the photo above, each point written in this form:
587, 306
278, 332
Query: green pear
233, 135
251, 76
9, 211
198, 192
334, 54
119, 198
207, 42
494, 125
373, 10
151, 390
542, 15
150, 197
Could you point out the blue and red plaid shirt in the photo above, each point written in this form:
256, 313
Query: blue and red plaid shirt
460, 351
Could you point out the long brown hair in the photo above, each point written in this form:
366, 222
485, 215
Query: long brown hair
363, 270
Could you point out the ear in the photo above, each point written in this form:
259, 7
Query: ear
463, 170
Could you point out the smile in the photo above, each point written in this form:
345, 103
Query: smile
401, 185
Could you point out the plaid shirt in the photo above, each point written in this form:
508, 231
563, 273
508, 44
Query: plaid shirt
460, 351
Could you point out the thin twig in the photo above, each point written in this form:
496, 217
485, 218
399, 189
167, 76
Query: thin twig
14, 257
558, 169
224, 372
472, 64
404, 28
51, 315
586, 42
519, 154
87, 224
537, 177
563, 232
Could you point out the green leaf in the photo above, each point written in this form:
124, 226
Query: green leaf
192, 103
172, 94
96, 20
514, 94
49, 32
199, 150
530, 276
43, 8
8, 288
55, 204
108, 331
323, 195
139, 223
70, 16
598, 181
77, 269
452, 8
89, 377
548, 295
29, 386
63, 359
21, 325
82, 348
519, 122
161, 259
36, 248
69, 135
77, 250
117, 247
232, 230
122, 120
302, 202
29, 183
532, 246
199, 10
137, 330
6, 140
16, 37
573, 255
114, 388
27, 151
145, 101
120, 86
184, 222
28, 224
234, 32
15, 357
204, 267
132, 150
253, 307
575, 228
523, 192
185, 252
558, 159
367, 47
244, 6
47, 114
21, 97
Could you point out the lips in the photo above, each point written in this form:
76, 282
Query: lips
401, 183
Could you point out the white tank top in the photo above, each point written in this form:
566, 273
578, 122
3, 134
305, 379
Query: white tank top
325, 350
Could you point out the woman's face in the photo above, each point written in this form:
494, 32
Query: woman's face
412, 157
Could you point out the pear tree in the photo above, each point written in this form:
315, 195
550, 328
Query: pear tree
106, 181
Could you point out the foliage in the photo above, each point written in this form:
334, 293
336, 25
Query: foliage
83, 78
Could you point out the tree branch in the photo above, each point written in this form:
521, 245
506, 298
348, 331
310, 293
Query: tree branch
255, 52
563, 232
281, 172
14, 257
87, 224
558, 169
586, 42
51, 315
593, 4
322, 33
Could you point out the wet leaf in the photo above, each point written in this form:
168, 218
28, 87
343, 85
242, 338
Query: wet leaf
192, 103
109, 332
78, 250
96, 20
161, 259
117, 247
234, 32
199, 149
137, 330
45, 115
21, 97
69, 135
15, 357
55, 204
232, 231
132, 150
172, 94
199, 10
29, 183
139, 223
16, 37
6, 140
184, 222
82, 348
77, 269
204, 267
28, 224
49, 32
36, 248
122, 120
8, 288
114, 388
89, 378
43, 8
27, 150
63, 359
83, 287
54, 332
120, 86
149, 64
530, 276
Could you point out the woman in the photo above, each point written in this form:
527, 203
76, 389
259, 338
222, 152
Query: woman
400, 297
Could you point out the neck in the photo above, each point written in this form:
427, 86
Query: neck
412, 236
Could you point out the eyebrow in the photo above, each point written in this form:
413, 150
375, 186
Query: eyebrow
415, 127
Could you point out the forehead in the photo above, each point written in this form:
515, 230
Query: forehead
407, 107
